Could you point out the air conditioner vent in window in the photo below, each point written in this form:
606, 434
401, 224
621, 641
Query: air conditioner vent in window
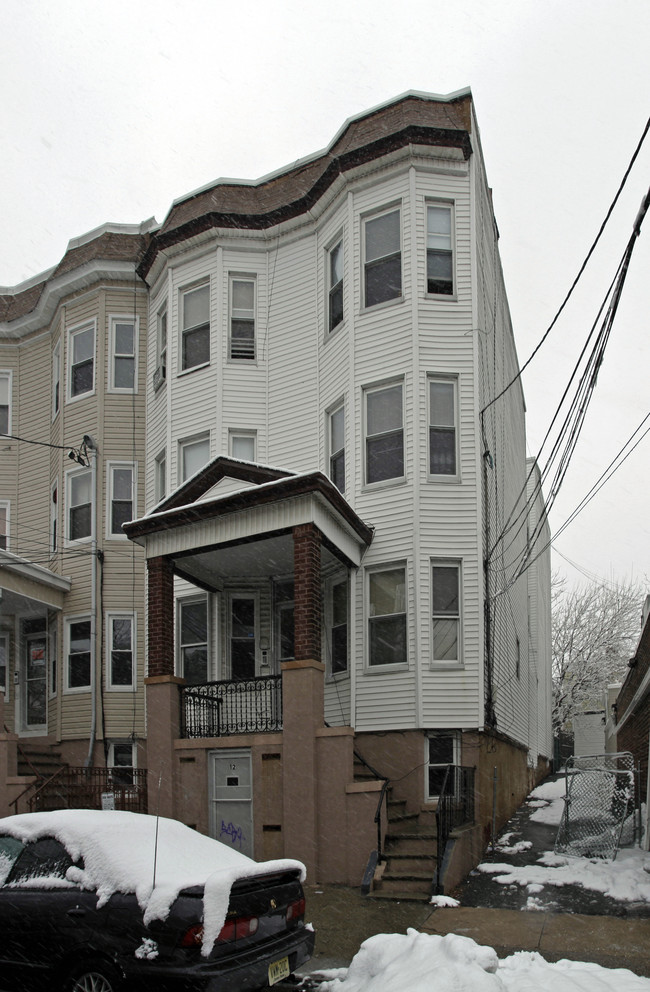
159, 377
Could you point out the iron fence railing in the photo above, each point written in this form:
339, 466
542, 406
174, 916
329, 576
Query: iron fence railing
218, 709
455, 809
76, 787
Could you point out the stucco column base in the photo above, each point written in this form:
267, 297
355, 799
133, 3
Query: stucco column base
163, 728
302, 717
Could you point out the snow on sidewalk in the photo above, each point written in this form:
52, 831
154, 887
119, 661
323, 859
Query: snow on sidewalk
420, 962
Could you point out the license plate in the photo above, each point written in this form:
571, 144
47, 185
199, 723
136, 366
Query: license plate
279, 970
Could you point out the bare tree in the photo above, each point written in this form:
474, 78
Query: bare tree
595, 631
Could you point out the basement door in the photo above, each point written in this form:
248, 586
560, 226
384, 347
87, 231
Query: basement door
231, 798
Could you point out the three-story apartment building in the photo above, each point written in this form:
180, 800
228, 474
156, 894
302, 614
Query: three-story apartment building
346, 550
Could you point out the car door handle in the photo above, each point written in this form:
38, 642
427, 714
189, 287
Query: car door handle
77, 911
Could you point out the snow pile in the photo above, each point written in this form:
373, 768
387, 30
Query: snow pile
548, 799
420, 962
119, 850
624, 880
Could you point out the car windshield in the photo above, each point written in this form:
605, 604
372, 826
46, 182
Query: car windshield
10, 848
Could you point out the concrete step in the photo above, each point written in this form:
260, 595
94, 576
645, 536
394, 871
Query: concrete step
400, 862
417, 882
395, 896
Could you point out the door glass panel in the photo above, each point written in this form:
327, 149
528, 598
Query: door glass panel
242, 638
35, 681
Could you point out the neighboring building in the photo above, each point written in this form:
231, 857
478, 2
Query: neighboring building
346, 549
632, 708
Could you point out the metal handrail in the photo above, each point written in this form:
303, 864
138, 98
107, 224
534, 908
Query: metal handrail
231, 706
377, 820
455, 808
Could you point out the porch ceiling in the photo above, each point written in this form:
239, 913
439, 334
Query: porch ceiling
271, 556
24, 585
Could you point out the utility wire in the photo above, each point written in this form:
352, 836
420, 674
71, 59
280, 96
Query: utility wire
580, 271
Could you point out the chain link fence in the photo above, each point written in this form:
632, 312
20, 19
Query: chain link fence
600, 801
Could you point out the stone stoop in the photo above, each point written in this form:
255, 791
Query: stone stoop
410, 852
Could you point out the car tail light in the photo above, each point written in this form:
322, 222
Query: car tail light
233, 929
295, 910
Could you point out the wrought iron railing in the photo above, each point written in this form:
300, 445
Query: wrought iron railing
92, 788
455, 809
218, 709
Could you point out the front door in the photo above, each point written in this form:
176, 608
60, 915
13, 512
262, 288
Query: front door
243, 636
33, 675
231, 798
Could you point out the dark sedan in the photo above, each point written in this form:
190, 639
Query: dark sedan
99, 901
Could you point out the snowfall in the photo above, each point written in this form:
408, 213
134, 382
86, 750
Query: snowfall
420, 962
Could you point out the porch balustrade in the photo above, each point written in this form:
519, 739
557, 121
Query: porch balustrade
219, 709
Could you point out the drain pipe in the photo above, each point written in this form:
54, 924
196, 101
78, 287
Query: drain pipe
90, 450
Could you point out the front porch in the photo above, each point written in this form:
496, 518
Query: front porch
221, 709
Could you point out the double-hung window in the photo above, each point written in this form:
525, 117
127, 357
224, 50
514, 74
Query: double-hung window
443, 439
440, 253
5, 402
160, 373
54, 517
195, 322
4, 659
337, 447
121, 501
123, 354
194, 453
382, 258
56, 379
242, 318
387, 617
4, 524
337, 625
160, 475
384, 433
78, 654
242, 444
79, 505
193, 639
445, 597
335, 285
81, 360
121, 646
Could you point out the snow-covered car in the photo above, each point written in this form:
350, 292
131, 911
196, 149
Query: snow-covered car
96, 901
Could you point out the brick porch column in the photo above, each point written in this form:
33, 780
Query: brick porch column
302, 705
161, 687
160, 622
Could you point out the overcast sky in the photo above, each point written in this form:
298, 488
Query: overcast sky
111, 111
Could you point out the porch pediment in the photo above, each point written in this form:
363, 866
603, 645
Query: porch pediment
232, 503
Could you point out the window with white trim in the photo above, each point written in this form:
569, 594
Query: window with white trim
124, 339
79, 502
81, 360
54, 517
335, 286
440, 249
4, 524
122, 759
445, 609
56, 379
78, 654
443, 436
337, 624
161, 345
382, 258
193, 658
5, 402
384, 422
336, 446
4, 661
242, 318
243, 444
120, 634
195, 326
53, 653
443, 751
194, 453
387, 616
121, 492
160, 475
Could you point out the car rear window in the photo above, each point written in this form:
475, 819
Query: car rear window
10, 848
45, 858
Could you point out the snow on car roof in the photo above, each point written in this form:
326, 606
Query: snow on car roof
119, 850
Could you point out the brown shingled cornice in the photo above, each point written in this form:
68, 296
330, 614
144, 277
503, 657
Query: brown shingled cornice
294, 192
